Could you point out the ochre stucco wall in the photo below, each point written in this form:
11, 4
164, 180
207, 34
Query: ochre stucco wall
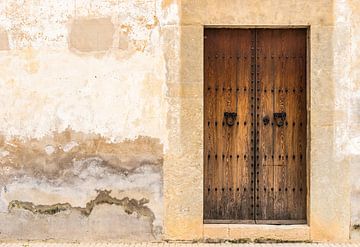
102, 113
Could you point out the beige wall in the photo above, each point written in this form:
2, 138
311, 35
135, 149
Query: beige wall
83, 112
331, 93
100, 96
353, 132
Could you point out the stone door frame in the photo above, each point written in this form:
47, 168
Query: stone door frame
328, 171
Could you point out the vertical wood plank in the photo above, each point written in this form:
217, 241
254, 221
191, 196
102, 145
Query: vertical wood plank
283, 179
227, 74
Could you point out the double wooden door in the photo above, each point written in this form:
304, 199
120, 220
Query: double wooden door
255, 126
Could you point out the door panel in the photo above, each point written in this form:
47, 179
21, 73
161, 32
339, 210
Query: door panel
281, 168
228, 193
254, 162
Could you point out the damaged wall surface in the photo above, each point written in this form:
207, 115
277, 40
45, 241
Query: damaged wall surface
102, 118
72, 182
83, 128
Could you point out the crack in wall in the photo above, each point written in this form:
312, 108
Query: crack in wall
130, 206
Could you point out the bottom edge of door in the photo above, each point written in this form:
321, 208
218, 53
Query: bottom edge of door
259, 222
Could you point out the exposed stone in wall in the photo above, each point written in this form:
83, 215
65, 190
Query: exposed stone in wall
123, 40
136, 218
87, 35
103, 197
4, 40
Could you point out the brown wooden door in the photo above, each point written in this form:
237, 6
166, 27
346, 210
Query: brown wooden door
255, 126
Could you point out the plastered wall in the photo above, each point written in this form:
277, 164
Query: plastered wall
353, 144
102, 112
83, 119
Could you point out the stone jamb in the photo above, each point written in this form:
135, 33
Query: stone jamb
329, 206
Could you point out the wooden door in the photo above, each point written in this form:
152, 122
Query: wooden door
255, 126
281, 90
228, 154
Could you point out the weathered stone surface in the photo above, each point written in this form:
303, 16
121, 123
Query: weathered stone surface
137, 225
87, 35
4, 40
107, 222
107, 95
51, 155
329, 194
68, 176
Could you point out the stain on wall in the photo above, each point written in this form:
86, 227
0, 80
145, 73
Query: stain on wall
76, 174
84, 113
130, 206
130, 210
87, 35
4, 40
50, 155
83, 137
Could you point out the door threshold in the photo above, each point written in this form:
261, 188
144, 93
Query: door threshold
299, 232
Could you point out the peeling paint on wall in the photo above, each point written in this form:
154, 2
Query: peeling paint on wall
50, 155
61, 172
83, 114
130, 206
96, 94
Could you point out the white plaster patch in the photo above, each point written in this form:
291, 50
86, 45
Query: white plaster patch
104, 96
67, 147
169, 16
49, 150
4, 153
46, 88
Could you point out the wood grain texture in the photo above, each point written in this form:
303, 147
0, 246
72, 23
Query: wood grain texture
228, 191
255, 172
281, 70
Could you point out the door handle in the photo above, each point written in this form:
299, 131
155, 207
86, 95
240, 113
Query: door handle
279, 118
230, 118
266, 120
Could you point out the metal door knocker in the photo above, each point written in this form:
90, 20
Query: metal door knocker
280, 118
230, 118
266, 120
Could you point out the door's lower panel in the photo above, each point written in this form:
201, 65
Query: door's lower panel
262, 222
280, 222
229, 221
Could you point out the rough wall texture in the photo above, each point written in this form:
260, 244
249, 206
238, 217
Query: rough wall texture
353, 145
83, 129
101, 117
